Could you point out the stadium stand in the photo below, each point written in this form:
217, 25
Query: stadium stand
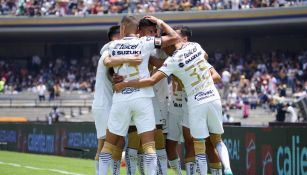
263, 79
97, 7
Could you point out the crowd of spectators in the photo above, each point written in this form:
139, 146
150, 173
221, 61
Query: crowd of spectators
54, 76
271, 80
253, 74
101, 7
249, 80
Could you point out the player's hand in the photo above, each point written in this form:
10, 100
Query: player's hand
119, 86
137, 60
152, 19
117, 78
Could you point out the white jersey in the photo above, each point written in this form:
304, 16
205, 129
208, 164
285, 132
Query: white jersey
176, 96
190, 66
131, 46
103, 87
161, 88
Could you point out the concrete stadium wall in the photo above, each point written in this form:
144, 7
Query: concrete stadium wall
253, 151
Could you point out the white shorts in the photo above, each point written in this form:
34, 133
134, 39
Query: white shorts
174, 127
139, 110
206, 118
185, 118
101, 116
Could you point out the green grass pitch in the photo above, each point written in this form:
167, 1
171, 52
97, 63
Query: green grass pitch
15, 163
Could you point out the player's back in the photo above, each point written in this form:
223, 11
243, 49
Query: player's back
194, 72
103, 87
127, 47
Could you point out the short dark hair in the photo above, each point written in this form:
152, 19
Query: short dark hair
113, 31
146, 23
185, 31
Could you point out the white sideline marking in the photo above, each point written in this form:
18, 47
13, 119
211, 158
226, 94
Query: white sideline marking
33, 168
37, 168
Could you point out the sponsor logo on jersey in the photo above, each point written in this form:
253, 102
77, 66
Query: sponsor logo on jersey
192, 58
190, 52
177, 105
130, 90
128, 52
203, 95
126, 46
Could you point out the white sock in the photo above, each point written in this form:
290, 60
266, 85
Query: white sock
131, 160
105, 160
215, 171
141, 163
162, 162
190, 168
97, 166
150, 162
202, 163
175, 165
116, 167
224, 156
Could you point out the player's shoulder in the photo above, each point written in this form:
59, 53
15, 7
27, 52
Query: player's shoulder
195, 44
105, 47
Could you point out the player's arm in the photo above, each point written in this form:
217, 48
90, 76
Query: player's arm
112, 61
155, 78
215, 75
206, 56
171, 38
154, 61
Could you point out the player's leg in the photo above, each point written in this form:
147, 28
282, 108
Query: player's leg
132, 150
150, 155
118, 124
199, 131
141, 160
161, 152
101, 119
174, 136
172, 155
215, 164
99, 148
159, 139
215, 126
105, 157
145, 122
117, 156
190, 162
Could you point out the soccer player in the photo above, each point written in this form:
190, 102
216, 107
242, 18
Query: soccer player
148, 28
102, 102
102, 98
188, 64
135, 102
134, 153
214, 140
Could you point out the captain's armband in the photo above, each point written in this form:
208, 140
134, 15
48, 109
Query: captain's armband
158, 42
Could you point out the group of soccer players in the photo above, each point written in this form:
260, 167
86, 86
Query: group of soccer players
164, 93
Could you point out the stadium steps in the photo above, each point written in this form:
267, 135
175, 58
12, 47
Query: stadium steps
39, 114
258, 117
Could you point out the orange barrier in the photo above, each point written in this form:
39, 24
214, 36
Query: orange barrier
13, 119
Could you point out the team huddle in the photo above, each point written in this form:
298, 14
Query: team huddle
156, 87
